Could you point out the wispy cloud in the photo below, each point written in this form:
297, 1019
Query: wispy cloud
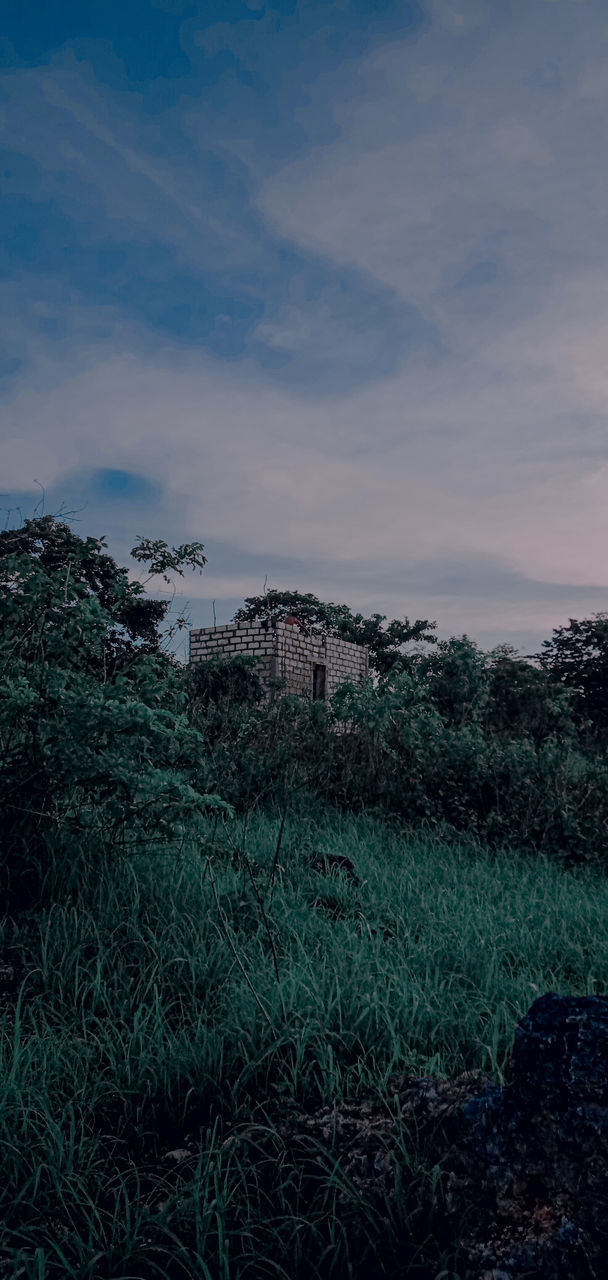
354, 338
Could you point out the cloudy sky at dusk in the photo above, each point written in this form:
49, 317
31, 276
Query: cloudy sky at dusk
322, 284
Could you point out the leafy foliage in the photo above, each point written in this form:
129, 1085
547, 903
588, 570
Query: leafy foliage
160, 558
227, 681
97, 754
323, 619
577, 659
108, 745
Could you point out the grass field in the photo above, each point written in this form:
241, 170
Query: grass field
188, 1000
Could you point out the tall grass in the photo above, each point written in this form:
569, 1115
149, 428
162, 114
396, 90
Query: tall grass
188, 1000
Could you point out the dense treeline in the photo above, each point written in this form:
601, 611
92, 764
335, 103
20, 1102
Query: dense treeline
109, 744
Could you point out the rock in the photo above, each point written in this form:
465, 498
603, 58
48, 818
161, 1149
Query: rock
560, 1054
524, 1167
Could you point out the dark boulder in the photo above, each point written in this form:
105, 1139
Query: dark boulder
533, 1157
524, 1186
560, 1053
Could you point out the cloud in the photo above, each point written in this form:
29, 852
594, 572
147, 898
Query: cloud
269, 473
368, 360
173, 242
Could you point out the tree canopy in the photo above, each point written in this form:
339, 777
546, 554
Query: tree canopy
385, 645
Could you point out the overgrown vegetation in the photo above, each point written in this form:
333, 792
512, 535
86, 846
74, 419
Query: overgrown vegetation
175, 974
98, 753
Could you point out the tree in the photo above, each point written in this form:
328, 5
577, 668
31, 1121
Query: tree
501, 692
525, 699
44, 560
96, 752
577, 658
456, 680
318, 619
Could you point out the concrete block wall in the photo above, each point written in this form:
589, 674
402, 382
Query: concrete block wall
251, 638
284, 651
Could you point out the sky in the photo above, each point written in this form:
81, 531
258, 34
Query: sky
321, 284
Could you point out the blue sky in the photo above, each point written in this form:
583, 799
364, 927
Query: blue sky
321, 285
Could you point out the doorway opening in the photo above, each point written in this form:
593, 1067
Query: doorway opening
318, 681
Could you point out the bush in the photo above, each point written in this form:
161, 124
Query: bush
98, 757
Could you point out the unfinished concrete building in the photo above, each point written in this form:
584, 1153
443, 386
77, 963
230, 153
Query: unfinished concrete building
311, 666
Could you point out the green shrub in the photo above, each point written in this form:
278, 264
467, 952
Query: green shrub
97, 754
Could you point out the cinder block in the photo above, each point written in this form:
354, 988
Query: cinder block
283, 651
